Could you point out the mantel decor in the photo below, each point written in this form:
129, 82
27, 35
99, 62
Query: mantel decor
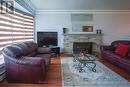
65, 30
99, 31
87, 28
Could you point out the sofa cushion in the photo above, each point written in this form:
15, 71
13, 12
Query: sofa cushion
32, 54
13, 51
32, 45
122, 49
110, 48
42, 50
25, 49
114, 44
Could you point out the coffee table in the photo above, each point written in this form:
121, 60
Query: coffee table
84, 61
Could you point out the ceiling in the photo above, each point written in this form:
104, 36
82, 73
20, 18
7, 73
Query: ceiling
81, 4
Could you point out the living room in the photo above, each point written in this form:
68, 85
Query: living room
60, 29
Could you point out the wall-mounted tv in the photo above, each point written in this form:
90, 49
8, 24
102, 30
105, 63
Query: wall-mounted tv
47, 38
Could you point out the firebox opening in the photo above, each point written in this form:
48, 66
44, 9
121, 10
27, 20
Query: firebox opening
82, 46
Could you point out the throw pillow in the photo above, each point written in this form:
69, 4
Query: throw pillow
122, 49
44, 50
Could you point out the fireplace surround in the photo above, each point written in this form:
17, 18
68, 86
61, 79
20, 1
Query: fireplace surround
69, 39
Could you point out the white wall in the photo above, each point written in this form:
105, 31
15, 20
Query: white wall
53, 22
114, 26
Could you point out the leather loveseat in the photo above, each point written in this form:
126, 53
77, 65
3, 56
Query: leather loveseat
26, 62
108, 52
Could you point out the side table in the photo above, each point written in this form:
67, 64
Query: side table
55, 50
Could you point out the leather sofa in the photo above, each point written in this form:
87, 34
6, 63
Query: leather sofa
25, 62
108, 52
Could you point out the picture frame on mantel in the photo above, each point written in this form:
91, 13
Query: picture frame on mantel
87, 28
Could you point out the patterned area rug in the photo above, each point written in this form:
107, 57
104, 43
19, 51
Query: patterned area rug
103, 77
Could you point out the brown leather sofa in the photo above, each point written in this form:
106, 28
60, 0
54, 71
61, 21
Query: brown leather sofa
108, 52
25, 62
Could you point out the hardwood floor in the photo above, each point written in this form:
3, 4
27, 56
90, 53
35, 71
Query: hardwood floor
54, 78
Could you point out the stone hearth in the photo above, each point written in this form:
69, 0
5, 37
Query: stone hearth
69, 39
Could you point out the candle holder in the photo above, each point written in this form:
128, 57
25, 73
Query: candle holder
99, 31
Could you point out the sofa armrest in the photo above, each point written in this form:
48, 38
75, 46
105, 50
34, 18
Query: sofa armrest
32, 61
44, 50
106, 47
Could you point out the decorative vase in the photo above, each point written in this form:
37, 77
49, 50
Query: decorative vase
100, 31
97, 31
64, 30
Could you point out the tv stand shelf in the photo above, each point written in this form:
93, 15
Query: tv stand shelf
55, 50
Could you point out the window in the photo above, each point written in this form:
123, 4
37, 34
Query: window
14, 28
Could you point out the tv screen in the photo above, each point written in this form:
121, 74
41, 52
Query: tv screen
47, 38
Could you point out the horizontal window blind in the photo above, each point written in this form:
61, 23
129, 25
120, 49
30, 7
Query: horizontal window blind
15, 27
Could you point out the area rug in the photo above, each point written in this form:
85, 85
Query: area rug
103, 77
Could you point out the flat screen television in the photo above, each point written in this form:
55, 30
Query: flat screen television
47, 39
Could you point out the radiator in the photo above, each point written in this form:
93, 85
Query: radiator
2, 72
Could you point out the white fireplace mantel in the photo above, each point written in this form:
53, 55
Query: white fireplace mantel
84, 33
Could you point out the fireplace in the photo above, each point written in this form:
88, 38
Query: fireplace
70, 39
82, 46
